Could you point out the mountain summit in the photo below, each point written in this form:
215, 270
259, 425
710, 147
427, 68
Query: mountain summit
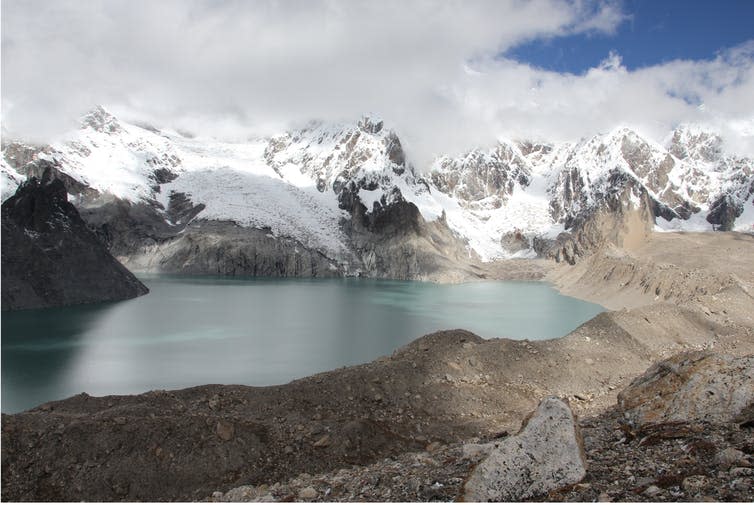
333, 189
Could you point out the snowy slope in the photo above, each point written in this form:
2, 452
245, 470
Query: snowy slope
9, 180
115, 157
488, 193
236, 184
298, 183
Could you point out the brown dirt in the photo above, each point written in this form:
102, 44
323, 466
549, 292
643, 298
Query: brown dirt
692, 269
442, 389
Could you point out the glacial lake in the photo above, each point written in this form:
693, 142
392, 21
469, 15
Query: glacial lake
207, 330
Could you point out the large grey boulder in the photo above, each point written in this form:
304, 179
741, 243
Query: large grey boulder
697, 386
546, 454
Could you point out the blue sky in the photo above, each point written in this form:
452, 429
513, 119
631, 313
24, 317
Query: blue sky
653, 32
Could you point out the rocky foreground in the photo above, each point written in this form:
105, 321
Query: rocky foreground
636, 451
416, 425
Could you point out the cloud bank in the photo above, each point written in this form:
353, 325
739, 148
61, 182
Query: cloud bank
432, 69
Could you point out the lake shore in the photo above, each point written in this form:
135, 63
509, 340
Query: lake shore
674, 293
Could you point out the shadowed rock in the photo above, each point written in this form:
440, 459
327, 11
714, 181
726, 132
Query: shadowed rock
49, 256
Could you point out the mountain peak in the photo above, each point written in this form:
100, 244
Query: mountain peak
371, 123
697, 143
101, 120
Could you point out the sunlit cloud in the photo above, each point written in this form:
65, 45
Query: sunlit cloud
432, 69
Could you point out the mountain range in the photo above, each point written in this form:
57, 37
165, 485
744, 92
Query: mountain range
345, 199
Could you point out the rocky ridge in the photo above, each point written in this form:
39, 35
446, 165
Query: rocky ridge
50, 257
349, 193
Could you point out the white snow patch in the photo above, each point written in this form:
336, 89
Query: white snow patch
264, 200
369, 198
696, 222
10, 180
745, 222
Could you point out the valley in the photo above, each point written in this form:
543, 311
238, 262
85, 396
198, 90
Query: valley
616, 220
411, 408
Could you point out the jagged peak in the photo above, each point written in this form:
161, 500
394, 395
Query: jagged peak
695, 142
623, 133
101, 120
371, 123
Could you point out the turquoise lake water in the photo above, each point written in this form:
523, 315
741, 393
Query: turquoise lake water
201, 330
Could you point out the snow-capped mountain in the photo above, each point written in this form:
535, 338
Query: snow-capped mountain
323, 185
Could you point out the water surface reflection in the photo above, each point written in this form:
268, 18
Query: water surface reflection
191, 331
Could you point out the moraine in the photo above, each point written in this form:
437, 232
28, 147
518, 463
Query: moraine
197, 330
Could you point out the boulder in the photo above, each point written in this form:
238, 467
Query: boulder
546, 454
691, 387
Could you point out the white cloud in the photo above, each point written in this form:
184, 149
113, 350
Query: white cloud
429, 68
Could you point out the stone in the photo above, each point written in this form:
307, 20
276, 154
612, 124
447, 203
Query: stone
474, 451
694, 484
546, 454
696, 386
652, 491
308, 493
434, 446
322, 442
224, 430
742, 471
730, 457
743, 485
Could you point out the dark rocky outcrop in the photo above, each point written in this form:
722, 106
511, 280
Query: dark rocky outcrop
127, 227
225, 248
724, 211
393, 240
49, 256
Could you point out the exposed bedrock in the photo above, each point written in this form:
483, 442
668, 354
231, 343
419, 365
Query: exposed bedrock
624, 219
392, 241
224, 248
49, 256
395, 241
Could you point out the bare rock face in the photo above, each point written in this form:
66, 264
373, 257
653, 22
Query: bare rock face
224, 248
546, 454
690, 387
49, 256
724, 211
481, 176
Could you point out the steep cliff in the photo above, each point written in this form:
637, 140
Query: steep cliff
49, 256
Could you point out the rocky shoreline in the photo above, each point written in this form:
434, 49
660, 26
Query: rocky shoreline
392, 429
